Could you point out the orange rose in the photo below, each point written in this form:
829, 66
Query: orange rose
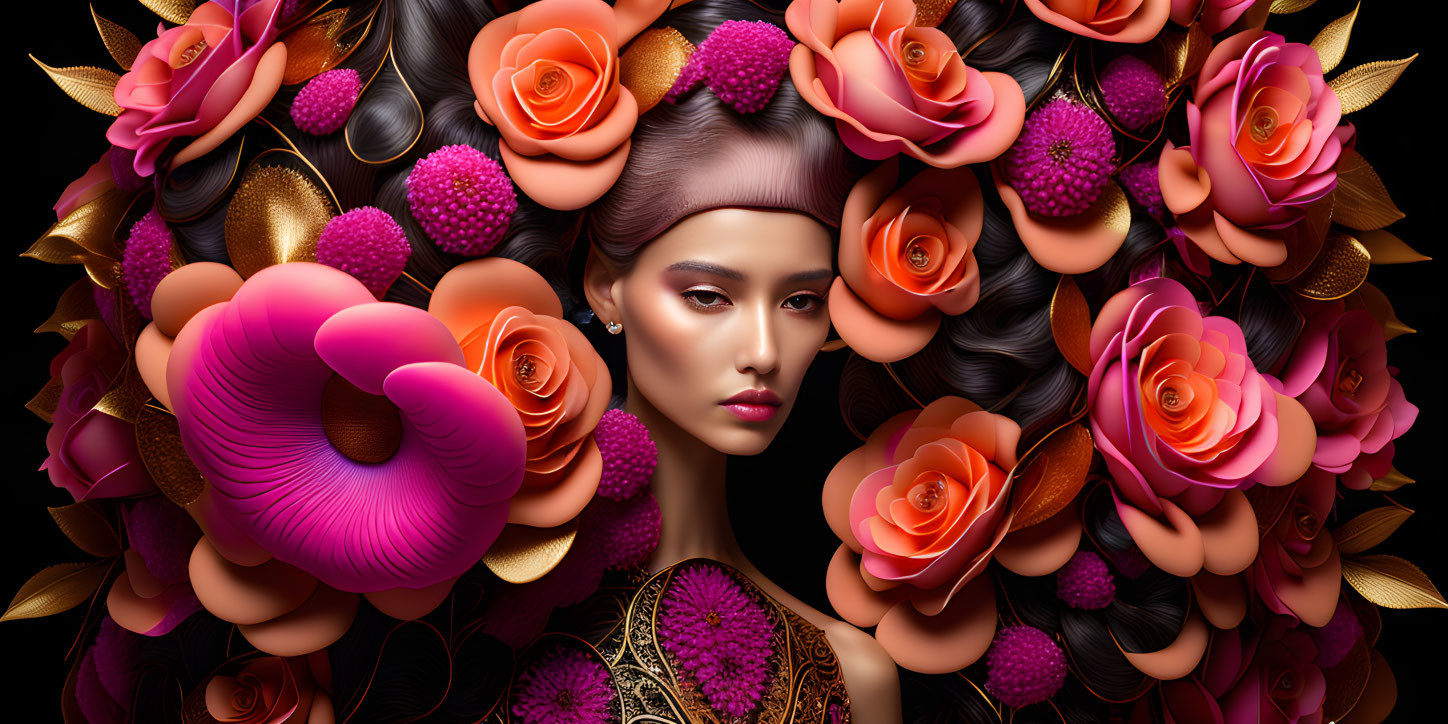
548, 77
269, 690
508, 322
1123, 21
908, 263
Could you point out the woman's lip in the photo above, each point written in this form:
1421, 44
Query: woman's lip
751, 412
754, 397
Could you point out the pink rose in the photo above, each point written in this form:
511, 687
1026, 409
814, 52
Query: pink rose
1184, 420
1280, 681
92, 454
202, 80
1217, 15
1298, 571
1119, 21
894, 88
1339, 371
1264, 146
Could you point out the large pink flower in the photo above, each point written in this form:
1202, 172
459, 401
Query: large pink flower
1184, 420
894, 88
1339, 371
1264, 146
202, 80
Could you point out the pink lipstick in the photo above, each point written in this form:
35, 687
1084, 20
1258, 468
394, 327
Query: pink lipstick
753, 405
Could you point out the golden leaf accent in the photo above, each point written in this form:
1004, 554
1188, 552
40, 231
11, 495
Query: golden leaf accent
1071, 324
86, 526
87, 236
1331, 43
127, 394
1287, 7
1376, 303
652, 63
523, 553
929, 13
56, 589
1391, 582
323, 41
1390, 482
1358, 87
45, 401
76, 307
275, 217
122, 44
158, 439
1183, 54
1053, 477
1339, 269
172, 11
1386, 248
1361, 201
833, 345
1370, 528
92, 87
1345, 682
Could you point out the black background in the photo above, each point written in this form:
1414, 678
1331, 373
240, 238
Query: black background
774, 498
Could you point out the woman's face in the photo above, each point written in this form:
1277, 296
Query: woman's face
722, 315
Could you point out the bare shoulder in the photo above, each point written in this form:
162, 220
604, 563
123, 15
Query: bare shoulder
870, 674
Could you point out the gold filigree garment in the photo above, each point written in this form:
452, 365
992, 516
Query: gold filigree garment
619, 628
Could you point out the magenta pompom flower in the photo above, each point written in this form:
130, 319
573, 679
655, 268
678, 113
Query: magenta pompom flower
741, 61
368, 244
629, 455
146, 259
625, 533
1085, 582
1143, 183
462, 198
563, 685
1133, 91
718, 637
326, 101
1062, 159
1025, 666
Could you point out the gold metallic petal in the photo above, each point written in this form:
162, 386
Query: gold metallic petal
1071, 324
1391, 582
652, 63
173, 11
87, 236
1331, 43
1370, 528
1287, 7
92, 87
1358, 87
127, 395
324, 40
45, 401
122, 44
77, 306
1390, 482
1183, 54
87, 527
1111, 209
524, 553
1054, 477
1361, 201
57, 588
1345, 682
1389, 249
1376, 303
275, 217
158, 439
1339, 269
929, 13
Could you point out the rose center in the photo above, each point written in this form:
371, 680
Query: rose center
1171, 399
243, 699
917, 254
1307, 524
926, 497
914, 53
524, 367
1264, 123
189, 55
1060, 150
1349, 380
549, 82
1286, 683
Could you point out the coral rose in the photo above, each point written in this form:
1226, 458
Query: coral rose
1183, 420
894, 88
92, 454
507, 320
1339, 371
1216, 15
269, 690
1265, 142
547, 77
202, 80
906, 259
1123, 21
1298, 571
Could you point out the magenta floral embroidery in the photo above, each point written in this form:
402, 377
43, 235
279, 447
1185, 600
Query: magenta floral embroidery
719, 638
563, 685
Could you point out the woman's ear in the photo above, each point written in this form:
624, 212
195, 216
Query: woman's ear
599, 281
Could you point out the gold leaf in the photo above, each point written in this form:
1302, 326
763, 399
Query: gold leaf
127, 394
1358, 87
1346, 681
57, 588
929, 13
1287, 7
1390, 482
122, 44
86, 526
323, 41
1071, 324
1376, 303
1391, 582
76, 307
172, 11
158, 439
92, 87
1331, 43
45, 401
1386, 248
1339, 269
1184, 54
87, 236
1054, 477
275, 217
1370, 528
523, 553
1361, 201
652, 63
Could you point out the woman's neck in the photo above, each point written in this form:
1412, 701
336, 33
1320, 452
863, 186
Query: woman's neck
689, 487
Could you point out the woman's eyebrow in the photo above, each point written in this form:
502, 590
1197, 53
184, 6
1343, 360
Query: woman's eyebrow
809, 276
706, 268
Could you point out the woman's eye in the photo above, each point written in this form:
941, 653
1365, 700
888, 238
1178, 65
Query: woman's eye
803, 302
705, 299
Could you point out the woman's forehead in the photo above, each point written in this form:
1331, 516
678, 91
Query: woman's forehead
751, 242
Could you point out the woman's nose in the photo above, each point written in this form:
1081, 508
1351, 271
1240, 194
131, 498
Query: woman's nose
758, 350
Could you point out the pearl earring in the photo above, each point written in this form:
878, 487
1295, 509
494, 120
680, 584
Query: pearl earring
615, 327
